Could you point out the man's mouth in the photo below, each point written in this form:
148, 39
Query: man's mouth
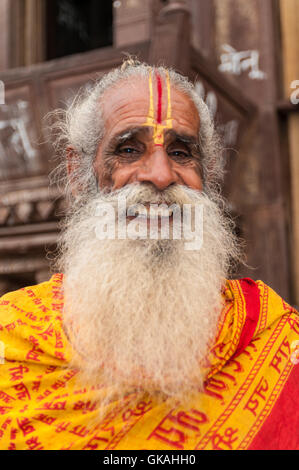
149, 212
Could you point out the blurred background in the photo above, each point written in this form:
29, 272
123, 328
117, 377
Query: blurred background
242, 55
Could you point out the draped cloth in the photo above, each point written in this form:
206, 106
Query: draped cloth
250, 400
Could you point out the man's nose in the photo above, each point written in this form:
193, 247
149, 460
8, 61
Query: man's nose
157, 169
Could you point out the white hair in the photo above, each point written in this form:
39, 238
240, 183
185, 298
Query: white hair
81, 127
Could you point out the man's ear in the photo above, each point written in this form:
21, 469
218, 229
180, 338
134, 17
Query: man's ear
72, 165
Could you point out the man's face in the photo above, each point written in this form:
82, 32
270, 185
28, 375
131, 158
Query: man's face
151, 135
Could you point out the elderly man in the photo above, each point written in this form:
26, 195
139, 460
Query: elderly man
141, 341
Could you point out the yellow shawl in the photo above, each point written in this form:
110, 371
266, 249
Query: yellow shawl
249, 400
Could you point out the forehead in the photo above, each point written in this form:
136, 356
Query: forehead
128, 103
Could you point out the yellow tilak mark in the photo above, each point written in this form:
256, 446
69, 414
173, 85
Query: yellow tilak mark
158, 135
168, 118
151, 116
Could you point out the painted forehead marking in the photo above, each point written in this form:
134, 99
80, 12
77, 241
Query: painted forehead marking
158, 135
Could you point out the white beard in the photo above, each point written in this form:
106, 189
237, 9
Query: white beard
143, 313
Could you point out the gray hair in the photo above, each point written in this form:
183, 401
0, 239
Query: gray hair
81, 127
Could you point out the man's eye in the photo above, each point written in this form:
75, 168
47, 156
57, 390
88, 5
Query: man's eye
180, 155
128, 153
128, 150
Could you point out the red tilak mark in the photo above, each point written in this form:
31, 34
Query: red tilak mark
159, 109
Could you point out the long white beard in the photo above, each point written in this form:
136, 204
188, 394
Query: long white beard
143, 313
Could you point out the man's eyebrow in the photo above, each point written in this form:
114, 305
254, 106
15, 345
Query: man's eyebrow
127, 134
182, 137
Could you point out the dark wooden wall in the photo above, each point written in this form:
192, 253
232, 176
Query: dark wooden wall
242, 89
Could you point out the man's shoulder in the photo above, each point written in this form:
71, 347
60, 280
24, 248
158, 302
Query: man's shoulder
260, 297
38, 298
31, 321
257, 308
